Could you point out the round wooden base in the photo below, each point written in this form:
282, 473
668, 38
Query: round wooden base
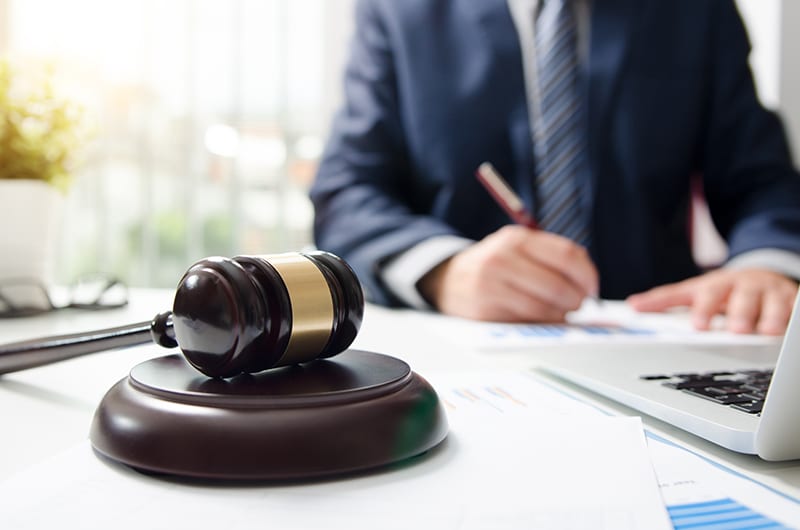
356, 411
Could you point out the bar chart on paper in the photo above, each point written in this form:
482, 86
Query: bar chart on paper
505, 331
703, 494
609, 322
697, 493
507, 395
516, 433
718, 515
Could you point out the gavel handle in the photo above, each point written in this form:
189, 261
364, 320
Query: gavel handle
21, 355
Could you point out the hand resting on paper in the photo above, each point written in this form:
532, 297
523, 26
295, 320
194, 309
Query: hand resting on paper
753, 300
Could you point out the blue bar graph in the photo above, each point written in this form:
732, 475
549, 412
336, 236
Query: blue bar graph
722, 514
559, 330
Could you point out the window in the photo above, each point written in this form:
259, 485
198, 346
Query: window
208, 115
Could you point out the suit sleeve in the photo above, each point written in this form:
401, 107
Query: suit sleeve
751, 187
362, 209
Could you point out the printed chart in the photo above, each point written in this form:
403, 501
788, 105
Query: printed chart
595, 323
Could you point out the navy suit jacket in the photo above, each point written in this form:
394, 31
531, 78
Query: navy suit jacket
435, 87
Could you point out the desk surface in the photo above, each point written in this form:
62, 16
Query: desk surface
48, 410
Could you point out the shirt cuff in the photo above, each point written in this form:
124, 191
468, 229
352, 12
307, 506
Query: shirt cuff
777, 260
402, 273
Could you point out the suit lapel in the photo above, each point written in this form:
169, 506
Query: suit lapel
493, 18
611, 28
612, 24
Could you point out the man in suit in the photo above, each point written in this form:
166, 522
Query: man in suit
661, 93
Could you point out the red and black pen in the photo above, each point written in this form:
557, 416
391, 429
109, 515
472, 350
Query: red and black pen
502, 193
499, 189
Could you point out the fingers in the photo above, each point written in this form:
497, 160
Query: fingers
515, 274
753, 300
761, 303
709, 300
564, 257
477, 289
705, 298
533, 280
508, 304
704, 306
662, 298
744, 308
776, 309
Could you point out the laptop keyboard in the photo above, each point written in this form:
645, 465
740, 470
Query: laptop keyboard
743, 390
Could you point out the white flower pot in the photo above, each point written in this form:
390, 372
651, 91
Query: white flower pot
30, 211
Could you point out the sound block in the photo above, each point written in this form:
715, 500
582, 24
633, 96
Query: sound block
356, 411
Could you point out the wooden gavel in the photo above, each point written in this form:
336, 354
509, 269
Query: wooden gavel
231, 316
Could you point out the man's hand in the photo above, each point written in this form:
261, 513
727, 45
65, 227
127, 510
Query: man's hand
513, 275
754, 300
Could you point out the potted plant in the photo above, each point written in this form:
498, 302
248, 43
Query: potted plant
40, 133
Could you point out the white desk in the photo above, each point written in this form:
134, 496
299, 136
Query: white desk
48, 410
426, 352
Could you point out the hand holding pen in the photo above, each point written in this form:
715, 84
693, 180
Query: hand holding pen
516, 274
507, 199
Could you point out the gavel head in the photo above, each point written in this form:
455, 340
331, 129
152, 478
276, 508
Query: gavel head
249, 313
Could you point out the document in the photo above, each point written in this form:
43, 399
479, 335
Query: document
595, 323
703, 495
700, 493
561, 464
518, 456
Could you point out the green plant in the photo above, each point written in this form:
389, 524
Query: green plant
40, 131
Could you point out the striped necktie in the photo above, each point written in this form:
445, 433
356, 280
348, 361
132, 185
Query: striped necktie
559, 142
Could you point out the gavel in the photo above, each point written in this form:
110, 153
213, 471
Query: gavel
231, 316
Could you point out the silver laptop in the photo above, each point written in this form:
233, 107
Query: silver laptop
746, 399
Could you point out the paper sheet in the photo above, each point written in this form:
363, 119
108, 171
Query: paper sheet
595, 323
518, 456
703, 495
699, 494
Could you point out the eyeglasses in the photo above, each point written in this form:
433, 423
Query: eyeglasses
26, 297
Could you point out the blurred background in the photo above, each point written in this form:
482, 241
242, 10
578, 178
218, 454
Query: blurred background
209, 117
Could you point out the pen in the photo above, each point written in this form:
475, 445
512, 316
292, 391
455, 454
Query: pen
502, 193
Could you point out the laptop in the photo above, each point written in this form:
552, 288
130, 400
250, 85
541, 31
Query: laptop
744, 398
